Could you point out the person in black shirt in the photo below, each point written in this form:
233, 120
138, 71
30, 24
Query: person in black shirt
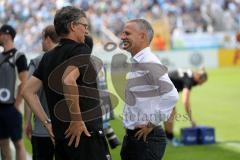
10, 116
42, 146
184, 80
69, 80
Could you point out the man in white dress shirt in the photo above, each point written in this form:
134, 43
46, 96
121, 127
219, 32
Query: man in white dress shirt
150, 96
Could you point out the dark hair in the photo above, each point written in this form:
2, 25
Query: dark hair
89, 42
7, 29
202, 74
64, 17
50, 32
203, 77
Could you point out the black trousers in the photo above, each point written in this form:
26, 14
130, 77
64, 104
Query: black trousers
10, 123
90, 148
42, 148
152, 149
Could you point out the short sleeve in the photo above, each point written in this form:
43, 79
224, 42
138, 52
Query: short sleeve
80, 50
31, 68
80, 56
21, 63
38, 73
187, 82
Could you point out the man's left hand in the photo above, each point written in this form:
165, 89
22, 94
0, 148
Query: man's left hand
144, 131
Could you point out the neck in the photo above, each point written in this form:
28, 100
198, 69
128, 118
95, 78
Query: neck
134, 52
8, 46
71, 36
52, 45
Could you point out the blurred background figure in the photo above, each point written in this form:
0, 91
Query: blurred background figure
42, 146
237, 52
185, 16
107, 107
12, 63
184, 80
109, 112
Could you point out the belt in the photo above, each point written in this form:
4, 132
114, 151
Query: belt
97, 133
131, 133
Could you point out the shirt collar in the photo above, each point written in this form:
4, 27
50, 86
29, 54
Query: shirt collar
140, 55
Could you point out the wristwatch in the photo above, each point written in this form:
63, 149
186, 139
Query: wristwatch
47, 121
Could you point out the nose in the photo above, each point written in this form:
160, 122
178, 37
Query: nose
86, 32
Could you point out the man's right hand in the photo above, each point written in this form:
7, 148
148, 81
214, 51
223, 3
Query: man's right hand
28, 130
48, 126
75, 130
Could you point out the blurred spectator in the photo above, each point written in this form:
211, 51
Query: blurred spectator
159, 42
237, 52
30, 16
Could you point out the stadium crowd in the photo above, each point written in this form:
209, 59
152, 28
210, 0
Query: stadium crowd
30, 16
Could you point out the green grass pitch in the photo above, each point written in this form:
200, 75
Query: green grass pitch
217, 104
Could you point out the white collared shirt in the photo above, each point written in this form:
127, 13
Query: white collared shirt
150, 95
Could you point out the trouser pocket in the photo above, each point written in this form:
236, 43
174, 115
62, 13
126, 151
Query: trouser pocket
155, 148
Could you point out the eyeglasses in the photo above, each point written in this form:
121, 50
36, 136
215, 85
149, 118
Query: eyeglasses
84, 25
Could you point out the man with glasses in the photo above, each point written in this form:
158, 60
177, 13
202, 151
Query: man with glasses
69, 80
85, 25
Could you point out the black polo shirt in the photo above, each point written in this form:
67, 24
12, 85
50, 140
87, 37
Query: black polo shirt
50, 72
182, 79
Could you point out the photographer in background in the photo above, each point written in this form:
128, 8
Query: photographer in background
107, 104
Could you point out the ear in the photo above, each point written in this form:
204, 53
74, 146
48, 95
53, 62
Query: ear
143, 35
47, 38
72, 26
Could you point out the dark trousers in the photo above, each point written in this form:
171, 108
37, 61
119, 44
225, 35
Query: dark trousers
152, 149
10, 122
90, 148
42, 148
